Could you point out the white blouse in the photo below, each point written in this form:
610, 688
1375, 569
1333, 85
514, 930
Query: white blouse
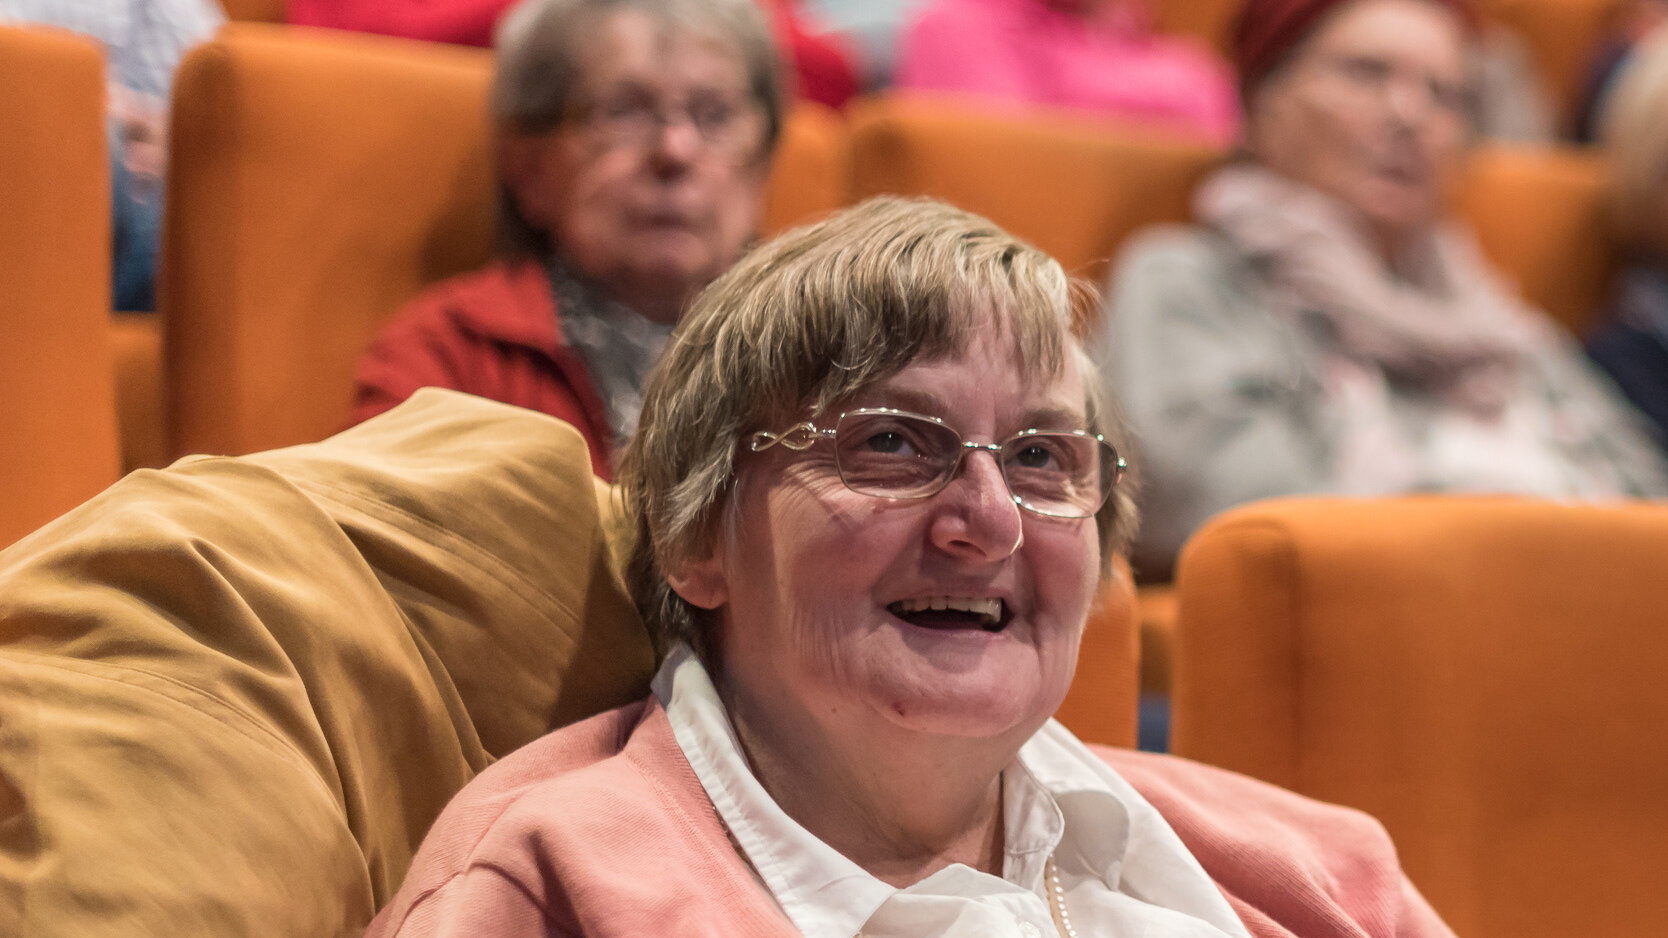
1124, 871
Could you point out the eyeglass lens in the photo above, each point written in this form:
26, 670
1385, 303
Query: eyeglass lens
636, 117
894, 455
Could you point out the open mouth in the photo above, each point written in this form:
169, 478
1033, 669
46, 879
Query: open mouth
950, 613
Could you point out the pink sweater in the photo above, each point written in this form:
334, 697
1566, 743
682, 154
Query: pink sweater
1028, 52
602, 828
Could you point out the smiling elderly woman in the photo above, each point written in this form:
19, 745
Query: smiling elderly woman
1326, 327
874, 495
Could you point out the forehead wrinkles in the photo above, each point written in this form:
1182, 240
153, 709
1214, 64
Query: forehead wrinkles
1037, 351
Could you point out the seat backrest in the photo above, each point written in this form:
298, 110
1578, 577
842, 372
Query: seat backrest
255, 11
1485, 675
1562, 36
1539, 214
237, 692
320, 180
1209, 21
58, 440
1073, 187
1100, 706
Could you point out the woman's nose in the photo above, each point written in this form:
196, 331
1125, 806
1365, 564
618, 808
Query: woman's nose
1409, 99
976, 516
678, 141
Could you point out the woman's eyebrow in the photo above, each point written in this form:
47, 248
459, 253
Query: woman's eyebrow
1057, 418
932, 405
912, 399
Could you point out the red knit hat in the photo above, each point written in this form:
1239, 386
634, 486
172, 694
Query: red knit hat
1266, 31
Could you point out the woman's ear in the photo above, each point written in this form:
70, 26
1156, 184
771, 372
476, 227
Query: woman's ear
701, 582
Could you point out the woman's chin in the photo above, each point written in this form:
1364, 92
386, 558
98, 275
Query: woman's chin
970, 684
972, 705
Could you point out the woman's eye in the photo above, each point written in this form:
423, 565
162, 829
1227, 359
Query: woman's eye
888, 441
1366, 71
712, 116
1035, 456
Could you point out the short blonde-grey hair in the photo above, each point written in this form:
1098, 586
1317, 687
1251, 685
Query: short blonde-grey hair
806, 321
540, 47
1635, 137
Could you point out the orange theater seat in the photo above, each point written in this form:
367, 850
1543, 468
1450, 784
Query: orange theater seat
321, 179
57, 396
1209, 21
1563, 37
1100, 706
1539, 214
318, 181
1071, 186
1485, 675
255, 11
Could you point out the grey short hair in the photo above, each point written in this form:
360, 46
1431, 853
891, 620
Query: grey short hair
805, 321
540, 46
1635, 139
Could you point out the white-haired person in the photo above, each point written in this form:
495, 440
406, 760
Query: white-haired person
1327, 326
875, 491
633, 141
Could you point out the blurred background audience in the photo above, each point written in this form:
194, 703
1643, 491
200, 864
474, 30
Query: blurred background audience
1326, 327
143, 42
633, 144
1632, 341
1100, 56
824, 65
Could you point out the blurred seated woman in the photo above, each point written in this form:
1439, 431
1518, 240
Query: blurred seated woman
1326, 327
874, 494
633, 144
1632, 345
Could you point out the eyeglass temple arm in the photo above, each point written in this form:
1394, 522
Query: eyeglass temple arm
798, 437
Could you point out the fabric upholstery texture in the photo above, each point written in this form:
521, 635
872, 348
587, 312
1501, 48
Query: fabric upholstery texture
1539, 214
1484, 675
319, 180
1073, 187
1100, 705
1562, 36
235, 692
58, 441
136, 346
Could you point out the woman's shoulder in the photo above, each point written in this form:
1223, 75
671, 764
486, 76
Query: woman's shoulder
1279, 855
1175, 243
573, 823
510, 796
1207, 796
501, 296
1177, 260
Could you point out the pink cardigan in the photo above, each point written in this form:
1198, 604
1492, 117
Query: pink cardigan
602, 828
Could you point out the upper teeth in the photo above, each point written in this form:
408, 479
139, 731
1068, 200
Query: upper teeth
987, 609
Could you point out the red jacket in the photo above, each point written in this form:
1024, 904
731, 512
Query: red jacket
493, 333
602, 829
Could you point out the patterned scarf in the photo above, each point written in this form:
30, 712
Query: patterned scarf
618, 344
1438, 319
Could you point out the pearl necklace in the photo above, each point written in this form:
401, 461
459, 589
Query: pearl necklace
1057, 900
